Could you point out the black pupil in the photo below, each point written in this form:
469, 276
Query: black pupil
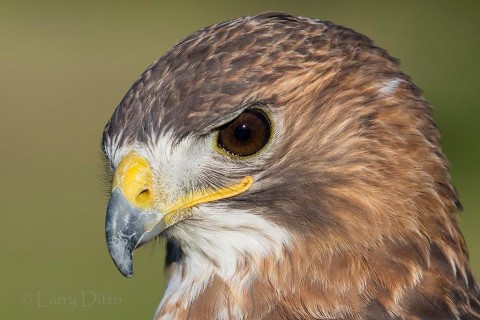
242, 132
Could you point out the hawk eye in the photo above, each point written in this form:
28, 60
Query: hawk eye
245, 135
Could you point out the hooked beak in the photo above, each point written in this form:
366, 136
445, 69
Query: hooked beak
135, 215
126, 228
131, 219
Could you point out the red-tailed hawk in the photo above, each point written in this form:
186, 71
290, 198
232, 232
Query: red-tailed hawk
296, 173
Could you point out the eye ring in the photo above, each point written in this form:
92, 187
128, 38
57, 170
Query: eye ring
246, 135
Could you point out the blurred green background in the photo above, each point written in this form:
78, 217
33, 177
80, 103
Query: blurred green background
64, 66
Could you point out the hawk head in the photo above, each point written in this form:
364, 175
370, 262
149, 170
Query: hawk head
295, 171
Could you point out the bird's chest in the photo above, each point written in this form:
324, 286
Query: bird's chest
202, 294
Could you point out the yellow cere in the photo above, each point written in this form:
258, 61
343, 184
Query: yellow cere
134, 178
204, 196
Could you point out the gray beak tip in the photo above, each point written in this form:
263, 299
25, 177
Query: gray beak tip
127, 273
121, 232
122, 257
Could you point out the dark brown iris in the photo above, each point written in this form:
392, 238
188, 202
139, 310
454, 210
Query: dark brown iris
245, 135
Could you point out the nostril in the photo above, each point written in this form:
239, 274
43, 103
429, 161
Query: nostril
144, 195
